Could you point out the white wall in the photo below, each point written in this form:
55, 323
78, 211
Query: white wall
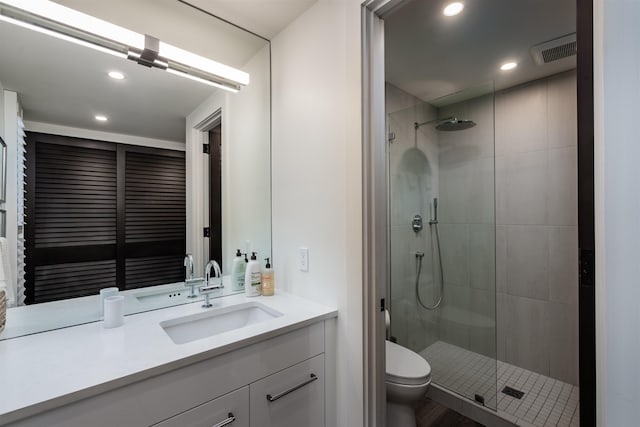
1, 110
317, 179
617, 140
11, 112
246, 168
74, 132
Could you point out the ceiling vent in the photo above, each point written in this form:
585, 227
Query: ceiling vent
553, 50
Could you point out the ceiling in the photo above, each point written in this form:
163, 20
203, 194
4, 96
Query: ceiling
432, 56
179, 24
263, 17
65, 84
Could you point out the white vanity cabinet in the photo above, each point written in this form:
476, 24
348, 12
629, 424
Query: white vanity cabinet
231, 410
291, 398
204, 390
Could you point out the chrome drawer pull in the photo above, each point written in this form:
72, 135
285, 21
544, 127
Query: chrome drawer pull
226, 422
270, 398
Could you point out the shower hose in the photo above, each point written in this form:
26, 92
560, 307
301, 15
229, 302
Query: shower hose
419, 256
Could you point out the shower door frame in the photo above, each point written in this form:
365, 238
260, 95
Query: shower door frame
375, 243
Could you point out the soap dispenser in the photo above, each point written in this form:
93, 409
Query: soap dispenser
267, 280
238, 268
252, 277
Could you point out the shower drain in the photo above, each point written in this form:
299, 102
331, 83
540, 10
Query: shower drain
513, 392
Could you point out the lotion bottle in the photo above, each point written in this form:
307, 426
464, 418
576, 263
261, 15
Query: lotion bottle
267, 279
252, 277
238, 268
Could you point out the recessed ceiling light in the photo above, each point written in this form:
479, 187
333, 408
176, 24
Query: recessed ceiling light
101, 118
453, 9
117, 75
508, 66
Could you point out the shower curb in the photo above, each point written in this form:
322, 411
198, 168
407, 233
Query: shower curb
470, 409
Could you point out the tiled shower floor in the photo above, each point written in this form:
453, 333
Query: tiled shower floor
546, 401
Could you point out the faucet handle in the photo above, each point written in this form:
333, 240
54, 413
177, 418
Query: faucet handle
209, 290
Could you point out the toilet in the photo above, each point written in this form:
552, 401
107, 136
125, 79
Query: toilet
407, 378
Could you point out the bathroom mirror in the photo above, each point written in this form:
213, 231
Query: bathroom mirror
3, 170
124, 176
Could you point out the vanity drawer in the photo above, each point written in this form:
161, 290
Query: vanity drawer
229, 410
292, 397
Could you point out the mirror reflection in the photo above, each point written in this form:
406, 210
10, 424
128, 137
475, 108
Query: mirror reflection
125, 176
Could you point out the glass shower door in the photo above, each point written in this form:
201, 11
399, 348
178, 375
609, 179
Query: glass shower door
442, 238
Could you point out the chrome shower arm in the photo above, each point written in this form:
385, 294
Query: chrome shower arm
417, 125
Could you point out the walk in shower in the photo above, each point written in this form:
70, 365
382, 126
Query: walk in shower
441, 199
484, 296
482, 196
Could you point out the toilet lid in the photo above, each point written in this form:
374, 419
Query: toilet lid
406, 367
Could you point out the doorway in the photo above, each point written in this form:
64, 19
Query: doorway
215, 194
459, 325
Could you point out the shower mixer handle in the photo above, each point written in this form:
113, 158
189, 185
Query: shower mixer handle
416, 223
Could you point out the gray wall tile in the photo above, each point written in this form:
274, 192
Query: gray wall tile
482, 256
562, 330
563, 264
562, 186
526, 334
527, 258
455, 261
562, 110
521, 119
501, 258
501, 327
526, 188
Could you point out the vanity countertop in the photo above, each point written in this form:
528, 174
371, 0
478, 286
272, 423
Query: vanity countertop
47, 370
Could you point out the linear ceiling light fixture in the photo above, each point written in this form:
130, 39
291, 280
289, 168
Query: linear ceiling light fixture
67, 24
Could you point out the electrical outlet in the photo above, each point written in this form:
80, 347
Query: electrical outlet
303, 259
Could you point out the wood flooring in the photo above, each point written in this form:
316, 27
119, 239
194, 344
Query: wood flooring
432, 414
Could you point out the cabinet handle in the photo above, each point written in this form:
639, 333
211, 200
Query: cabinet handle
228, 421
312, 378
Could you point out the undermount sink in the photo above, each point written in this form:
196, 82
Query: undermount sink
217, 321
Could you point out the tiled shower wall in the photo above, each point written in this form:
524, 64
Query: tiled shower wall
413, 180
535, 209
467, 228
536, 233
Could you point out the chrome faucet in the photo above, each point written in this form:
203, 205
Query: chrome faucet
208, 289
189, 280
188, 263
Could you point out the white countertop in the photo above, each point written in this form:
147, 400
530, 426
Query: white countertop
43, 371
36, 318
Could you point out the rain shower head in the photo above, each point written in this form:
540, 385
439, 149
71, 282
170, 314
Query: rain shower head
452, 124
448, 124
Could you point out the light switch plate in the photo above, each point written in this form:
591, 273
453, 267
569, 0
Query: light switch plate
303, 259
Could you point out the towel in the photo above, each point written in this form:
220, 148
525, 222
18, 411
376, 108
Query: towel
5, 272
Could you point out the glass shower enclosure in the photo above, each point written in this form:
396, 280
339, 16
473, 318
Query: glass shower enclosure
442, 238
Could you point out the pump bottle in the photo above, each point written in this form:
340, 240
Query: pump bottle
252, 277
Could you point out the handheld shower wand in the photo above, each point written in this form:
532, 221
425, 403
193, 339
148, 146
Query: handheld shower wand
419, 255
434, 219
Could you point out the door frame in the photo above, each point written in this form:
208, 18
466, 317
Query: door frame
199, 124
214, 204
374, 205
375, 241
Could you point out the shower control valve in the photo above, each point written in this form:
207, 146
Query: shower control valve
416, 223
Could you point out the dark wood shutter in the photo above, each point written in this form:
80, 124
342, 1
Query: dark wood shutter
101, 214
155, 216
75, 196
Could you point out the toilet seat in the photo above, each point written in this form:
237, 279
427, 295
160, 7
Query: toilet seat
403, 366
